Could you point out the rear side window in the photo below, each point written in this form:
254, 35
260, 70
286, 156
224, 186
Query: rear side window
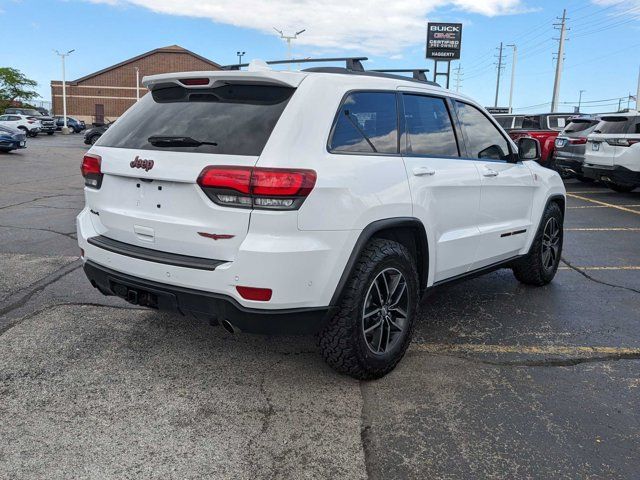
367, 122
484, 140
227, 120
504, 122
614, 125
428, 127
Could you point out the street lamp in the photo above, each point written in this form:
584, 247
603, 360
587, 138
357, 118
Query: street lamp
580, 99
65, 129
240, 55
288, 39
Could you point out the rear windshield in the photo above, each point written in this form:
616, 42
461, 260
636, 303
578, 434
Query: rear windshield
227, 120
610, 125
579, 126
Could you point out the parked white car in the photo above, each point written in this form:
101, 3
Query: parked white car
27, 124
325, 201
613, 152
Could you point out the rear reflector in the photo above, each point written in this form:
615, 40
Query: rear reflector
92, 170
194, 81
254, 187
253, 293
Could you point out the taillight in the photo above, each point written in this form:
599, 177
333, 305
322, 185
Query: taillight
578, 141
91, 170
622, 142
254, 187
30, 121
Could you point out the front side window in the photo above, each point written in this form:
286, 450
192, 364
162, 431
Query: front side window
484, 140
428, 127
557, 122
531, 122
367, 122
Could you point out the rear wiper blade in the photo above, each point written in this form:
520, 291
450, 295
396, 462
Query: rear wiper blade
174, 141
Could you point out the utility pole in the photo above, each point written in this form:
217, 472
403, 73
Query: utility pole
137, 84
240, 55
288, 39
65, 129
580, 100
513, 75
458, 73
500, 58
559, 62
638, 93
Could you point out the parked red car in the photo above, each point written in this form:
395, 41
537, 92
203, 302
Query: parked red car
543, 127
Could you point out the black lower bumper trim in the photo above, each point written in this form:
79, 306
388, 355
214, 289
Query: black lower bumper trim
567, 165
205, 304
151, 255
616, 174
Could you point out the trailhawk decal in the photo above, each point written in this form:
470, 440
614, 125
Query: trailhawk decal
138, 162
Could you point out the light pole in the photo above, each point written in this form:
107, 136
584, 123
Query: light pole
137, 84
65, 129
240, 55
513, 75
288, 39
580, 99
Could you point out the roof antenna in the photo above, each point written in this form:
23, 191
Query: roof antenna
288, 39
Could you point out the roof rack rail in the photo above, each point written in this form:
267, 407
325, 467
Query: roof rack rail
352, 63
418, 73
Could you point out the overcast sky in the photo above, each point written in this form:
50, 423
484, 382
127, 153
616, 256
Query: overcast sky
601, 54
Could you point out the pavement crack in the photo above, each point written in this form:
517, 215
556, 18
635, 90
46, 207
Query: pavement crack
71, 235
38, 287
601, 282
547, 362
44, 197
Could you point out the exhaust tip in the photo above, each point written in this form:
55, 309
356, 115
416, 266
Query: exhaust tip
226, 324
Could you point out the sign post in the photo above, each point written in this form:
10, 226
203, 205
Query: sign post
444, 41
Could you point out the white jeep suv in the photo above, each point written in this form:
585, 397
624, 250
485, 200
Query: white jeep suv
613, 152
327, 200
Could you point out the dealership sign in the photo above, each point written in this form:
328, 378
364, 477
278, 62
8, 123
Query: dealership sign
444, 41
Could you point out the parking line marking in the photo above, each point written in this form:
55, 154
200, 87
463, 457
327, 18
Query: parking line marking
523, 349
598, 202
631, 267
603, 229
601, 206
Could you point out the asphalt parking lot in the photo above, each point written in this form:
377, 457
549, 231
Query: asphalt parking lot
502, 380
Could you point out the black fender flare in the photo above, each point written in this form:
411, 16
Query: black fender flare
368, 233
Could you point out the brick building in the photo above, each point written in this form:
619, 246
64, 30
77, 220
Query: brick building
106, 94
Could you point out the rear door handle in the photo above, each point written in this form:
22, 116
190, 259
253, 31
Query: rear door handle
490, 172
423, 171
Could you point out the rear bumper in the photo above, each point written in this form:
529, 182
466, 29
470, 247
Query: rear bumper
616, 174
205, 305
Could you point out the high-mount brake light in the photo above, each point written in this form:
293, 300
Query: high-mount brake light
255, 187
92, 170
194, 81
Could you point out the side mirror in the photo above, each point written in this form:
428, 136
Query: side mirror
528, 149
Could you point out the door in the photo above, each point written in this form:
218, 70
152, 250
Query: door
504, 218
99, 113
445, 189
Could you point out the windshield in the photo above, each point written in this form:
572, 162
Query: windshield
34, 113
227, 120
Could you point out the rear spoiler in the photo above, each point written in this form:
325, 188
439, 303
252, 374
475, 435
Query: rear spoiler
209, 79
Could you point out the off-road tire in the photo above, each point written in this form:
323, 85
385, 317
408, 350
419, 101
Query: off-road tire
341, 341
620, 188
530, 269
